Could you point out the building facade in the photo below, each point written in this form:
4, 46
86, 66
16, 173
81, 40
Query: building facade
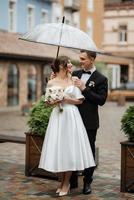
119, 40
91, 19
71, 11
25, 67
22, 15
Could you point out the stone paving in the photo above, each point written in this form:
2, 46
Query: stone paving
14, 185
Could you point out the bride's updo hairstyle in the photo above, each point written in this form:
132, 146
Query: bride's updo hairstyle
62, 60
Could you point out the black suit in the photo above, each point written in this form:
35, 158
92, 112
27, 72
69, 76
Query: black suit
94, 96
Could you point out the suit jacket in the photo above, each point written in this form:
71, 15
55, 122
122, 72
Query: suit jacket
94, 96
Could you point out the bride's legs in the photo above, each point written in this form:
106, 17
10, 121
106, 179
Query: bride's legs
61, 177
66, 182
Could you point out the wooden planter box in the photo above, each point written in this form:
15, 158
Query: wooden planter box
127, 167
33, 152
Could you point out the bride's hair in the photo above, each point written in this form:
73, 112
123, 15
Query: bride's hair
62, 60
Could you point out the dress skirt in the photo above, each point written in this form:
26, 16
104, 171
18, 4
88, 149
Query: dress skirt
66, 146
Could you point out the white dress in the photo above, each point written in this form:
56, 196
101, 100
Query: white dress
66, 146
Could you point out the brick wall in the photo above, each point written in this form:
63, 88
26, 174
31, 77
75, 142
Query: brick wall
3, 83
23, 77
97, 18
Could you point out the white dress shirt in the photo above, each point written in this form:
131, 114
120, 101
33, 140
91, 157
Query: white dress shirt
85, 76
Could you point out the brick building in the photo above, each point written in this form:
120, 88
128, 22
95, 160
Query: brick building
91, 19
24, 69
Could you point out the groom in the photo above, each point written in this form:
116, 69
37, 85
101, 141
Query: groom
94, 88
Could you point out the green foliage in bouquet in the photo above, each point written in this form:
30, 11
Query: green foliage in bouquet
39, 117
127, 123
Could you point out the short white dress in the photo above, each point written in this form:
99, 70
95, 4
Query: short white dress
66, 146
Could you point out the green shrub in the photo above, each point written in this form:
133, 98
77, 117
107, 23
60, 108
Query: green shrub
39, 117
127, 123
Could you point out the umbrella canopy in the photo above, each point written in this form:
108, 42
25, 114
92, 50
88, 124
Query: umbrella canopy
61, 35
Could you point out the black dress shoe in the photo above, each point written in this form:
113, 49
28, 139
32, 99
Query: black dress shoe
87, 188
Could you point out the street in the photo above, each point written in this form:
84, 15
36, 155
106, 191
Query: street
14, 185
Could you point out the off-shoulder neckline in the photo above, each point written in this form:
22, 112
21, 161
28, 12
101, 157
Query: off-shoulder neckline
58, 86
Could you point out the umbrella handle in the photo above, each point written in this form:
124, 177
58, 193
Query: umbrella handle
57, 52
63, 20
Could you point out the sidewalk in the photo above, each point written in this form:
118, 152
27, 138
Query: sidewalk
106, 186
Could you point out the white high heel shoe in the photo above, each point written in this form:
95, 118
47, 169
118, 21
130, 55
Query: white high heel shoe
58, 190
65, 193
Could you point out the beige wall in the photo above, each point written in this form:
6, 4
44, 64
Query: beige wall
112, 20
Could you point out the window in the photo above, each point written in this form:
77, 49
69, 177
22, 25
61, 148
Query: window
12, 16
90, 27
46, 75
56, 12
13, 85
122, 33
31, 17
44, 16
67, 21
57, 19
90, 5
76, 19
32, 78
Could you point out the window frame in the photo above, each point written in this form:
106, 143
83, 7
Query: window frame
30, 27
122, 34
13, 27
90, 5
46, 13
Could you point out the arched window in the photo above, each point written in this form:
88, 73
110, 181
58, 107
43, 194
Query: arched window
32, 84
13, 85
46, 75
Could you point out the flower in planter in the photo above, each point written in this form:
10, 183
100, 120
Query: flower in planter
127, 123
39, 117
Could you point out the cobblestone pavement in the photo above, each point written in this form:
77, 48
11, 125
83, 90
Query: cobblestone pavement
14, 185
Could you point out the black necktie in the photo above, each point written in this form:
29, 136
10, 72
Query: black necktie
86, 72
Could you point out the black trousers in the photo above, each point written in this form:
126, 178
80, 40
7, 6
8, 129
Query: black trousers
88, 172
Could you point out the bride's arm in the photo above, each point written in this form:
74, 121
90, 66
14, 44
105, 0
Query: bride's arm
72, 101
53, 103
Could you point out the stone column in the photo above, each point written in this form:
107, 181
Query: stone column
3, 83
23, 83
39, 92
131, 71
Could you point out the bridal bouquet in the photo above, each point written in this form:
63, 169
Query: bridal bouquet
54, 94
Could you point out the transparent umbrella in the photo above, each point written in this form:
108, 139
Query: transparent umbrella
61, 35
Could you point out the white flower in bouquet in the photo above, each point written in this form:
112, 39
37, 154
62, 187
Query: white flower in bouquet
55, 94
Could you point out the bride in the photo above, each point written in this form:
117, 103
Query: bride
66, 147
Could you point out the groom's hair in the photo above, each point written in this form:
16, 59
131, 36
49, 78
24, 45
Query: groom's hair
90, 54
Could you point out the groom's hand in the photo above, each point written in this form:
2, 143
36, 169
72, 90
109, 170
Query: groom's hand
80, 84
